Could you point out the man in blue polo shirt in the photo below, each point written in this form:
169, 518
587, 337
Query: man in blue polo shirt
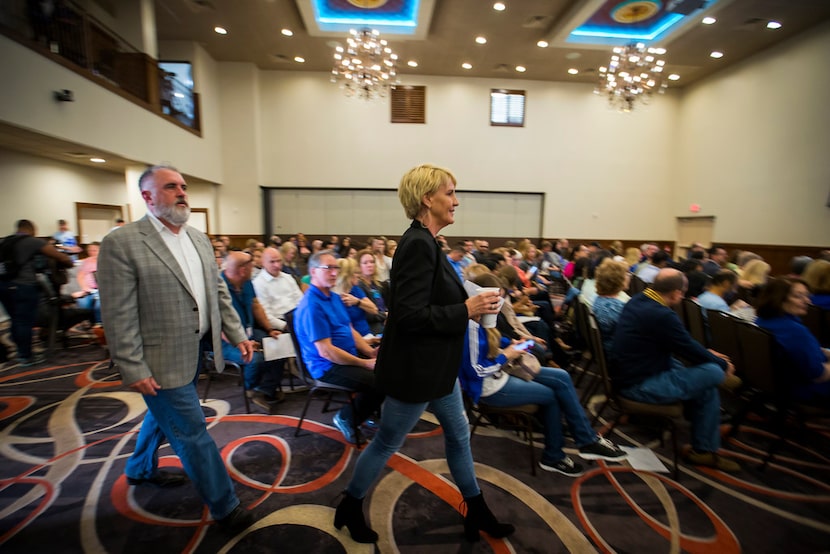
644, 367
331, 347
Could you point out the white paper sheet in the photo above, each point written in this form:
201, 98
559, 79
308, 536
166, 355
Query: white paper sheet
644, 459
278, 348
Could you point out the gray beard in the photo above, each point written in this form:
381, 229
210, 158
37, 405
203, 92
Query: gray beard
175, 215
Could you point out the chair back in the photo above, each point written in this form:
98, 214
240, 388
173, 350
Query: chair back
581, 312
636, 285
817, 321
723, 329
758, 353
289, 328
695, 323
598, 355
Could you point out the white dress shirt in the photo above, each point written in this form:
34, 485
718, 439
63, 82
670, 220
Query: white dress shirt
188, 259
277, 296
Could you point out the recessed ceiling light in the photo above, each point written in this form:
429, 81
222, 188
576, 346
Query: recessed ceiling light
467, 65
299, 59
709, 20
773, 25
521, 68
412, 63
573, 71
220, 30
674, 77
716, 54
543, 44
481, 40
287, 32
499, 6
98, 160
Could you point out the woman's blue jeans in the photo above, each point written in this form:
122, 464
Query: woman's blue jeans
397, 420
554, 391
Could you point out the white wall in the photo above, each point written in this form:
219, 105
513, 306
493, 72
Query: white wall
46, 190
100, 119
748, 144
585, 156
754, 146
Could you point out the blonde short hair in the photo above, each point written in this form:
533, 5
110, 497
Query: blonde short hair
756, 272
610, 277
419, 182
817, 276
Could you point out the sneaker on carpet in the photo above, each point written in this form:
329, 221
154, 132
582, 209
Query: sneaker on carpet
710, 459
266, 401
603, 449
344, 426
565, 466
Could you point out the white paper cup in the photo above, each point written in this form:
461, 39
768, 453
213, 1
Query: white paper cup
488, 321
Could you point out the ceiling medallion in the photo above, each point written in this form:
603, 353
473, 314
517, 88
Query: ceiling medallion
635, 11
367, 4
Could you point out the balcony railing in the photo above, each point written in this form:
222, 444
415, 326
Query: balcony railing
65, 33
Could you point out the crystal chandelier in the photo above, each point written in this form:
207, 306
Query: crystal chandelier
633, 75
366, 67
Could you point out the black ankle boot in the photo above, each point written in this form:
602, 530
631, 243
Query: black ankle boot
480, 518
350, 513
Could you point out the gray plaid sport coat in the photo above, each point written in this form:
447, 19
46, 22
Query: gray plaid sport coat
149, 313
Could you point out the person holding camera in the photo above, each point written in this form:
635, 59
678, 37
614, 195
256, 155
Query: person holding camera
20, 290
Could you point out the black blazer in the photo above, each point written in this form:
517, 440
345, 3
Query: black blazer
420, 353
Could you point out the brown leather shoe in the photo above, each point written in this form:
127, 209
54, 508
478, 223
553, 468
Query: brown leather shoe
236, 521
710, 459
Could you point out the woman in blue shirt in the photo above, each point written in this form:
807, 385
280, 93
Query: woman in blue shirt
358, 306
781, 304
482, 378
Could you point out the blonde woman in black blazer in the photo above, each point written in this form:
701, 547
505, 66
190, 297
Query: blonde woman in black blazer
420, 354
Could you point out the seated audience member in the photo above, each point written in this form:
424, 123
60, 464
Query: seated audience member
482, 378
781, 304
658, 260
722, 284
742, 258
753, 276
579, 251
612, 279
391, 246
383, 263
632, 257
330, 345
358, 305
256, 256
690, 264
374, 289
698, 282
343, 247
262, 380
588, 290
647, 250
798, 264
457, 260
277, 292
817, 277
717, 260
290, 260
644, 365
87, 298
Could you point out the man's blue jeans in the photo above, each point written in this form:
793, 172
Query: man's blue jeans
91, 302
397, 420
695, 385
175, 415
554, 391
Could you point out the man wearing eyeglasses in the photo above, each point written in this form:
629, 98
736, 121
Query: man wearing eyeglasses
331, 348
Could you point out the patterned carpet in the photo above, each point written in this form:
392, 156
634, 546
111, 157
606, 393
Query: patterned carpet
67, 427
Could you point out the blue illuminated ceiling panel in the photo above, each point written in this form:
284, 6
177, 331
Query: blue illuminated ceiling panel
618, 22
408, 19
